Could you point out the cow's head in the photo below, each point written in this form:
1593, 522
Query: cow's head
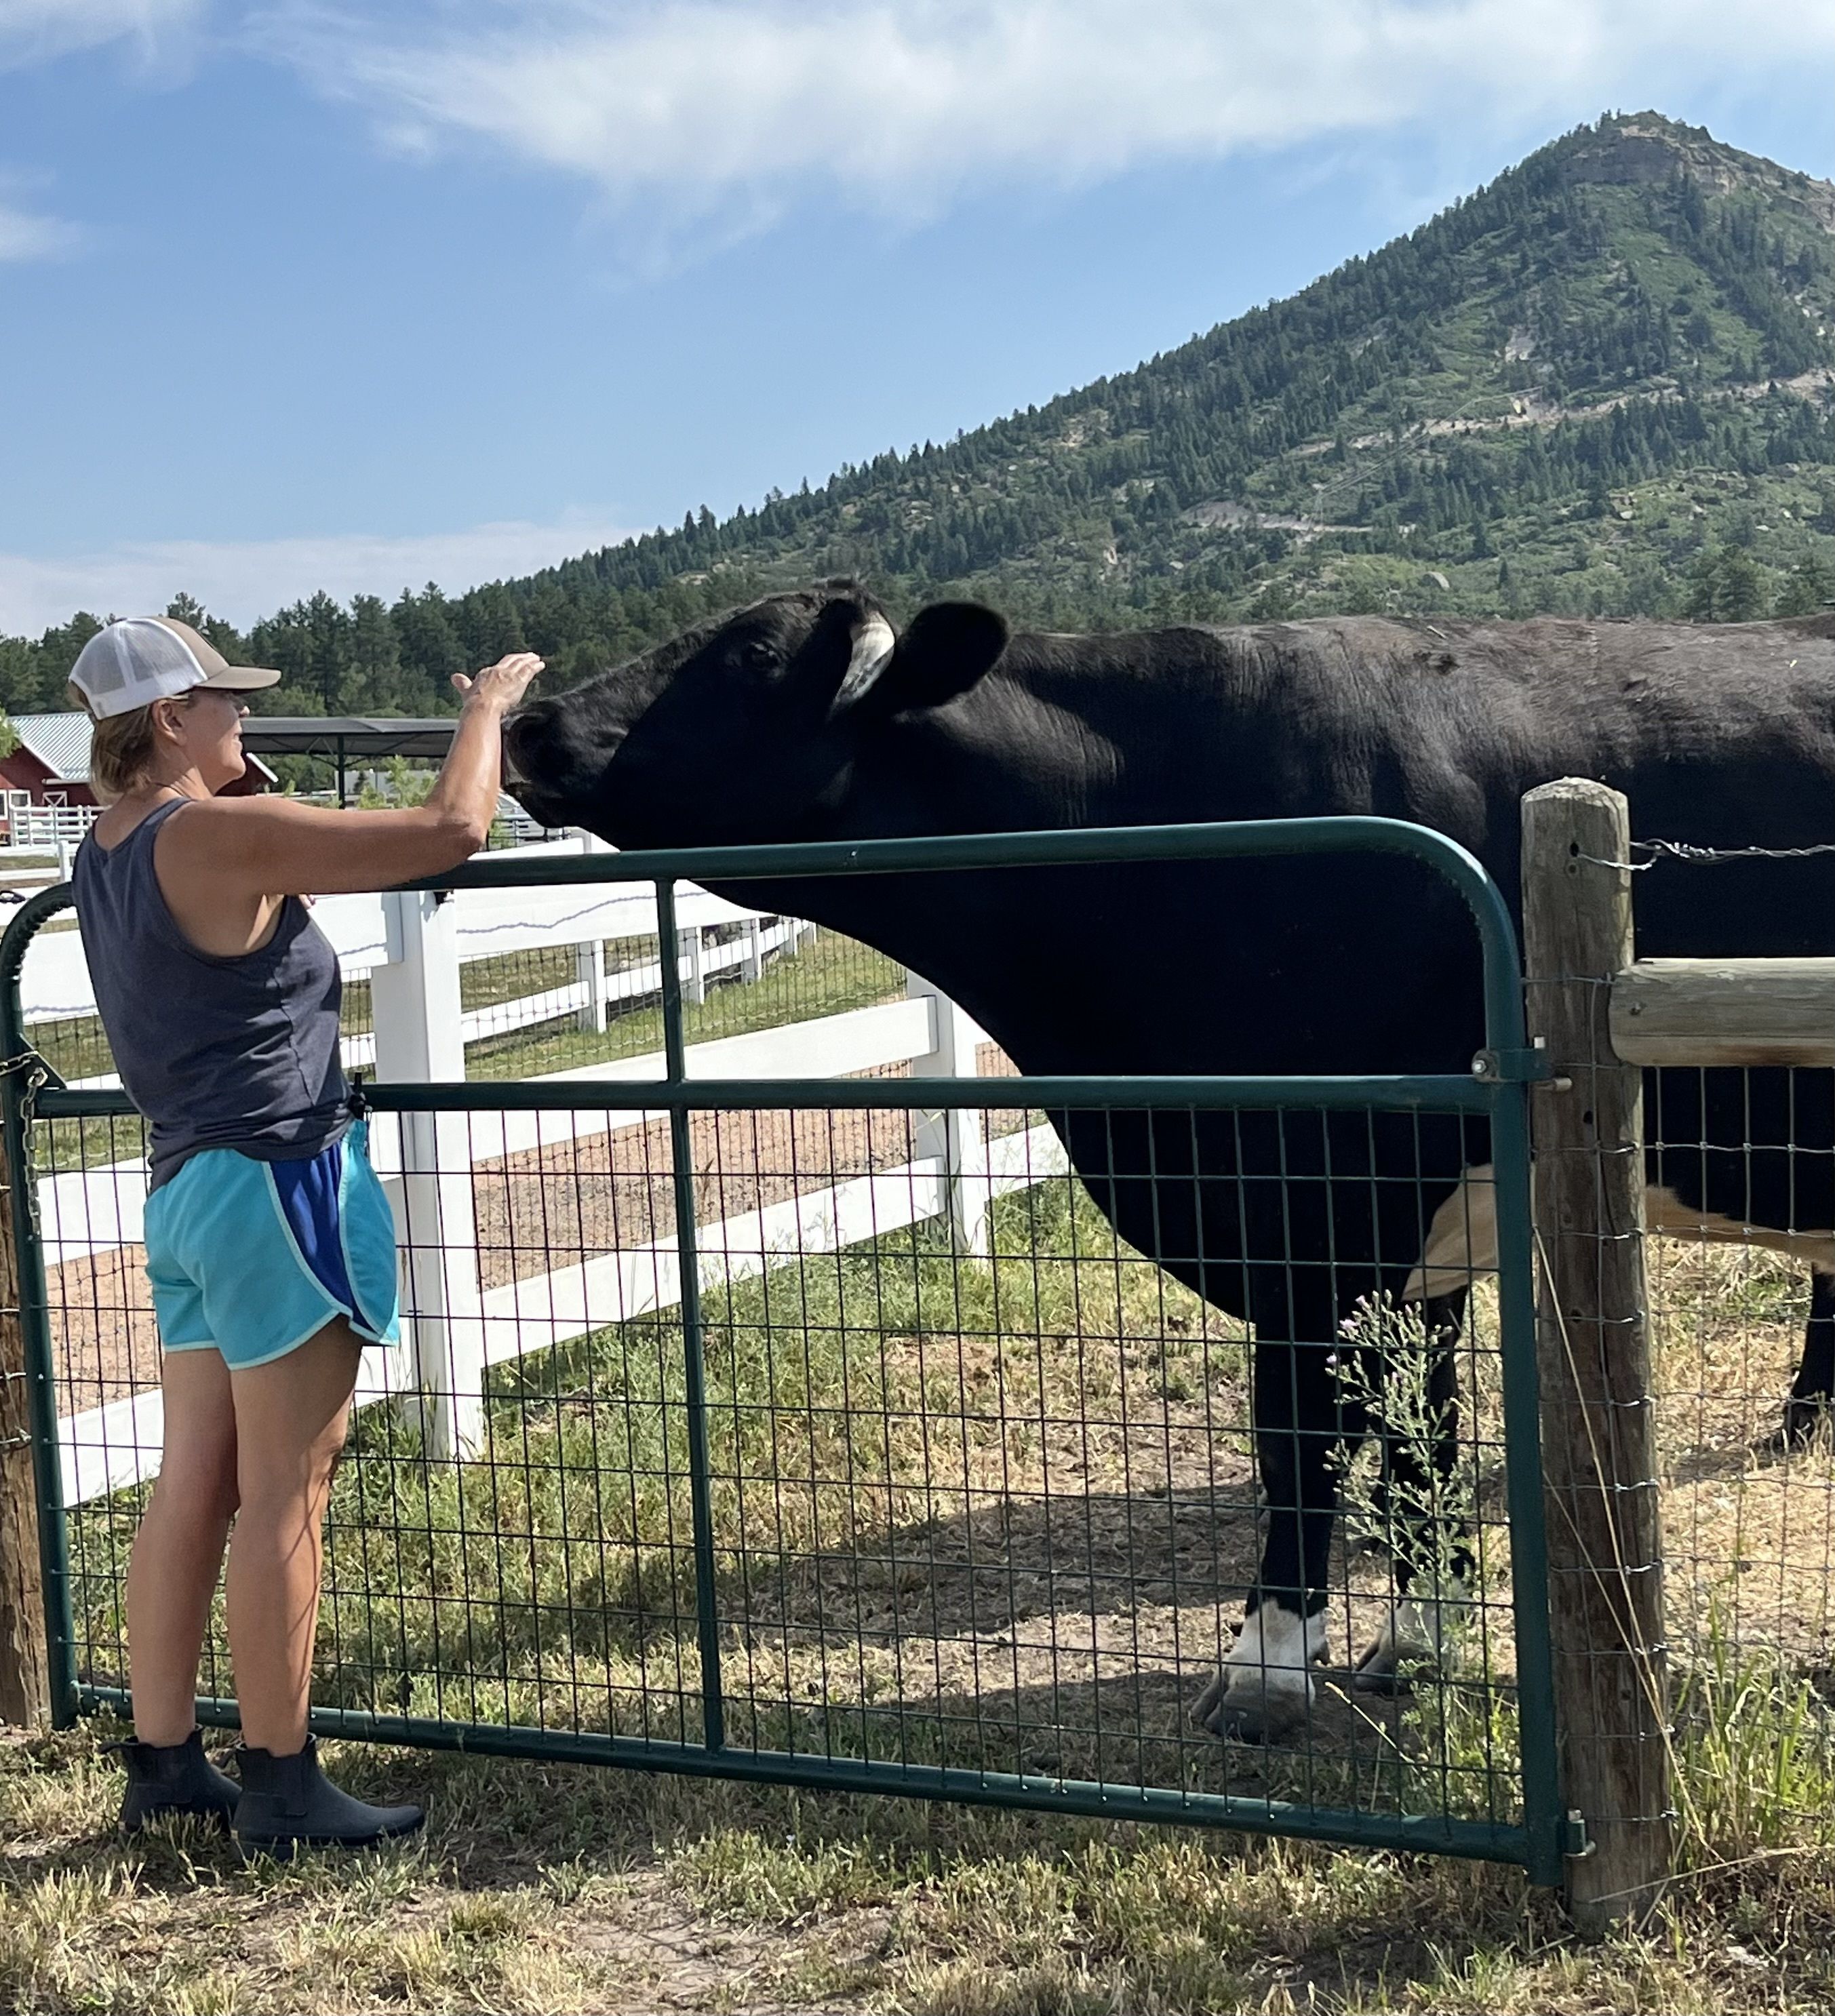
747, 727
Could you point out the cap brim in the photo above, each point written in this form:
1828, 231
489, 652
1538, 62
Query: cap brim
242, 678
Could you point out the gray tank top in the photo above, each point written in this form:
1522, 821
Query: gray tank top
238, 1052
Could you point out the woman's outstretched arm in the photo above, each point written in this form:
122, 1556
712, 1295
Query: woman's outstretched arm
241, 851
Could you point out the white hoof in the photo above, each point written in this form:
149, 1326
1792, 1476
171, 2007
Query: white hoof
1265, 1689
1415, 1642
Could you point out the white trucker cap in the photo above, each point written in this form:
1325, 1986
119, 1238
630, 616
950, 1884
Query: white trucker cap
139, 659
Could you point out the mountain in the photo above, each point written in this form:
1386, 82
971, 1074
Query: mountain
1603, 384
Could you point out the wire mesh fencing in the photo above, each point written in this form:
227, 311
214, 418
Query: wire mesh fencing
1741, 1277
825, 1430
994, 1513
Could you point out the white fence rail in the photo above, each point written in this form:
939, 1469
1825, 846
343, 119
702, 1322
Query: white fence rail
48, 828
489, 923
413, 948
54, 986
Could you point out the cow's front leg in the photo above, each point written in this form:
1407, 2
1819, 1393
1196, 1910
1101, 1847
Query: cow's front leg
1264, 1691
1813, 1394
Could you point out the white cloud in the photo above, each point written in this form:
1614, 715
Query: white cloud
242, 580
36, 31
698, 108
26, 235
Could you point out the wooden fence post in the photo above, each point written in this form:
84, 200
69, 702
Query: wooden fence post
25, 1663
1593, 1344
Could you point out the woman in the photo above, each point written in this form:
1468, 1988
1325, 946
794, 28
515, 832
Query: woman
269, 1244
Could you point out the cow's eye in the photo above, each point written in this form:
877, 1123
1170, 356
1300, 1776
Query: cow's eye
754, 656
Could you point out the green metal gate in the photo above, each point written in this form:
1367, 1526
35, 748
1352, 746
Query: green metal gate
890, 1520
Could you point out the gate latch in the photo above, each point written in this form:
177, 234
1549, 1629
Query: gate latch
1528, 1067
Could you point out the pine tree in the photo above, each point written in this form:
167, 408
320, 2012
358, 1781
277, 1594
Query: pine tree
328, 631
429, 647
375, 657
1807, 589
1699, 604
1727, 586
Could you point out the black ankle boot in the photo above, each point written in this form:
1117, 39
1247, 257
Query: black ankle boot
288, 1803
174, 1778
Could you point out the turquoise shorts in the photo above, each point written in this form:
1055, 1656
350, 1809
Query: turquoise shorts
251, 1258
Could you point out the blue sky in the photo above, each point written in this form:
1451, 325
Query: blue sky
294, 297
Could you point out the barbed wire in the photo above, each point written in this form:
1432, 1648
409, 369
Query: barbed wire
1683, 850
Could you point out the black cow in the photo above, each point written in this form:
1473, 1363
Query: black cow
804, 716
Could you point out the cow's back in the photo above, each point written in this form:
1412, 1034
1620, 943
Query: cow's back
1721, 736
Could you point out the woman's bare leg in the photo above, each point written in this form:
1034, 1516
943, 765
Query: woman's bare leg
178, 1550
290, 1418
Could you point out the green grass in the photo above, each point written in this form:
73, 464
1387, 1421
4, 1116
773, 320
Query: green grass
825, 976
937, 1487
1755, 1754
850, 1397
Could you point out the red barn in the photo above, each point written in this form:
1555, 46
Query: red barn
52, 763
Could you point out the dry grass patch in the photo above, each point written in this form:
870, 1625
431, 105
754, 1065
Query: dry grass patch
552, 1888
476, 1917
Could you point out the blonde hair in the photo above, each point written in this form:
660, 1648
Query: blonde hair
121, 751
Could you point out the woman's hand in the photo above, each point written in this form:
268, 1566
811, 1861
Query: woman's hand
501, 686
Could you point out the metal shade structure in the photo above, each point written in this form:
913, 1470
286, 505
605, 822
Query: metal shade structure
340, 739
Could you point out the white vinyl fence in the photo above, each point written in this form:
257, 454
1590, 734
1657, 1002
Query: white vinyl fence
46, 828
412, 949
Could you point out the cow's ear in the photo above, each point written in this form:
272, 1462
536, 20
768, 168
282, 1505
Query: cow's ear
943, 651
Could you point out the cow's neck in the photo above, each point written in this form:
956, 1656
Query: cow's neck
1062, 734
1016, 754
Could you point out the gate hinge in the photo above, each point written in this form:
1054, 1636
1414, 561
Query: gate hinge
1528, 1067
1575, 1840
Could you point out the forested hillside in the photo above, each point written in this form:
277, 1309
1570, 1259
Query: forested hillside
1603, 384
